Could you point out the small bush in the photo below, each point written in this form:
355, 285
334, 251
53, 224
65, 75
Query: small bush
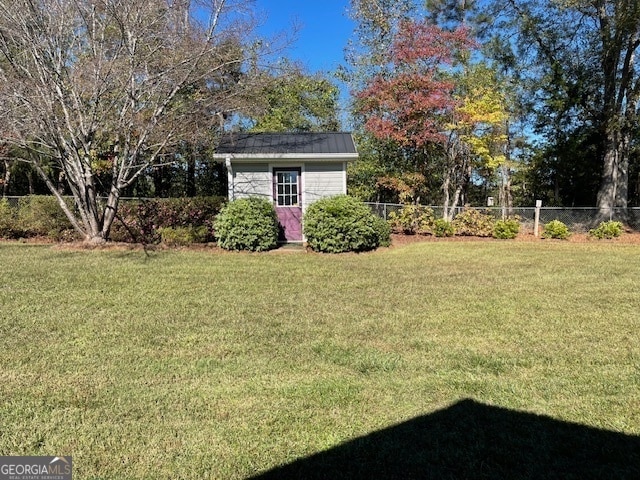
607, 230
443, 228
556, 229
506, 229
342, 224
412, 219
41, 216
247, 224
182, 236
474, 223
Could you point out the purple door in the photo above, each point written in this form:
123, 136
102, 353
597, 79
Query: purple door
286, 193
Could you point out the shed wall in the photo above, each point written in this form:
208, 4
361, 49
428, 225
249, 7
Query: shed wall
324, 180
250, 179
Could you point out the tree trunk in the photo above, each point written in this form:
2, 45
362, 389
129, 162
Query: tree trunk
7, 177
506, 198
110, 212
614, 186
445, 187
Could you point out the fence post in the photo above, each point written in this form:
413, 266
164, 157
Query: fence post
536, 222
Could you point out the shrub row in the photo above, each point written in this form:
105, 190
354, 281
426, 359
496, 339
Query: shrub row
145, 221
414, 219
154, 220
335, 224
35, 216
605, 230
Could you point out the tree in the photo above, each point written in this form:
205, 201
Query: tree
104, 89
578, 60
480, 127
367, 55
293, 101
413, 106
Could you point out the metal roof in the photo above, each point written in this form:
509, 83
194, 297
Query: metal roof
329, 143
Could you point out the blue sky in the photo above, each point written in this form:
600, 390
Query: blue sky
324, 29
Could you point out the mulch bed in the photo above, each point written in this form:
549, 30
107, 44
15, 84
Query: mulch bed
626, 238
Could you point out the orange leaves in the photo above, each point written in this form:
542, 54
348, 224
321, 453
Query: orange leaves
422, 42
411, 105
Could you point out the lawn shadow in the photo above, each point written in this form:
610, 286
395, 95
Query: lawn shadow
470, 440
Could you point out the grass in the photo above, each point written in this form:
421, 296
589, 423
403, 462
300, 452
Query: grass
206, 365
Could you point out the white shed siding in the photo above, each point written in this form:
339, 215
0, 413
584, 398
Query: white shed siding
250, 179
323, 180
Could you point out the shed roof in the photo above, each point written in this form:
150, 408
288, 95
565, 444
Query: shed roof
326, 143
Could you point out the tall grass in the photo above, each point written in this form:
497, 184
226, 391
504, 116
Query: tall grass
186, 364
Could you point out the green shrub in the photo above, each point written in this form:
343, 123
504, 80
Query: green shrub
181, 236
8, 220
506, 229
41, 216
443, 228
247, 224
342, 224
474, 223
607, 230
412, 219
556, 229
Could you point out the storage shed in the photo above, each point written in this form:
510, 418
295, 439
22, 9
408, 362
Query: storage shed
291, 169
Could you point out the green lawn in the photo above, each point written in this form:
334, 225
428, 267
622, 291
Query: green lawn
203, 364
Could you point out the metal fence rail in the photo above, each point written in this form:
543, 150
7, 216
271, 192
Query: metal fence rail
578, 219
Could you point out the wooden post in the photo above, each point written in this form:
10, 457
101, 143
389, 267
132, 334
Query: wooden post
536, 223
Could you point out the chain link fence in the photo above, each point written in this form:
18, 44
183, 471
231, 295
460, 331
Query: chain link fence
578, 219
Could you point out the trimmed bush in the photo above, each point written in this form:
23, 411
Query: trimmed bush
556, 229
343, 224
474, 223
247, 224
412, 219
182, 236
442, 228
506, 229
141, 220
607, 230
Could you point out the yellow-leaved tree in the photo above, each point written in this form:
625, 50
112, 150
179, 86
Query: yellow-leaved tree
478, 135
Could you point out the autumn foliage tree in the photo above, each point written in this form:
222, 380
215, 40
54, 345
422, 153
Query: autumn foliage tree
413, 105
478, 139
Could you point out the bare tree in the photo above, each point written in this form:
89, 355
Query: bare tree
103, 89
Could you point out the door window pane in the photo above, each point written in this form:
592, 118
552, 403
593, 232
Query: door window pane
287, 188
